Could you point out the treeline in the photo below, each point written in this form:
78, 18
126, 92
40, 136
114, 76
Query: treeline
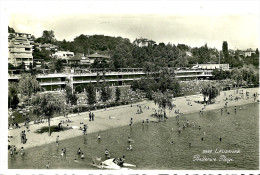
126, 54
152, 57
242, 76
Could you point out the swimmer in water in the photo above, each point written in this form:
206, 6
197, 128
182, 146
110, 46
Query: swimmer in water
220, 139
22, 151
172, 142
48, 165
202, 138
82, 156
79, 151
62, 152
130, 148
98, 137
199, 128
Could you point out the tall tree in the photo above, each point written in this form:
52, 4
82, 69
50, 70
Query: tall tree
70, 97
47, 105
47, 37
225, 51
13, 95
118, 93
91, 94
105, 91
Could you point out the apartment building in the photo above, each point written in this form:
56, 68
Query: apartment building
20, 49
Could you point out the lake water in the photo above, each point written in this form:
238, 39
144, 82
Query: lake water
152, 148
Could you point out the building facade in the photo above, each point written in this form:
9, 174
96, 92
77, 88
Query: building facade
199, 71
20, 49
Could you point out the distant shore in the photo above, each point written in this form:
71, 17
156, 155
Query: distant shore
120, 116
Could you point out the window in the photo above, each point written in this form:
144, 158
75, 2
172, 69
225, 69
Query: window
27, 49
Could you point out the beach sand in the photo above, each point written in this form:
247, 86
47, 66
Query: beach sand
120, 116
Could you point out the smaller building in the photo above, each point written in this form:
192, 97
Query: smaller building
98, 57
248, 52
48, 46
77, 59
143, 42
65, 55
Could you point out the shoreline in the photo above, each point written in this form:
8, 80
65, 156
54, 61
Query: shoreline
120, 116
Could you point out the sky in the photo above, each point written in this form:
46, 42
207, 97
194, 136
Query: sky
188, 22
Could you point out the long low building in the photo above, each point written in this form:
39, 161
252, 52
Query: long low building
199, 71
52, 82
56, 81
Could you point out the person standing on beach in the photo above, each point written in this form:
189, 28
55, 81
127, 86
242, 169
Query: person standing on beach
89, 115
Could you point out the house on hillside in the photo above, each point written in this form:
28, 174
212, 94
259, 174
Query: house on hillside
143, 42
79, 59
64, 55
49, 47
249, 52
98, 57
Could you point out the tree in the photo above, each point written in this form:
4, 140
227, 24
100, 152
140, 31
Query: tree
28, 85
118, 93
257, 52
163, 100
13, 95
236, 75
47, 105
209, 91
57, 66
70, 97
48, 37
105, 91
91, 94
225, 51
11, 30
122, 56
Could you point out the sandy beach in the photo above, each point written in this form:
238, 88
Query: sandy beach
120, 116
